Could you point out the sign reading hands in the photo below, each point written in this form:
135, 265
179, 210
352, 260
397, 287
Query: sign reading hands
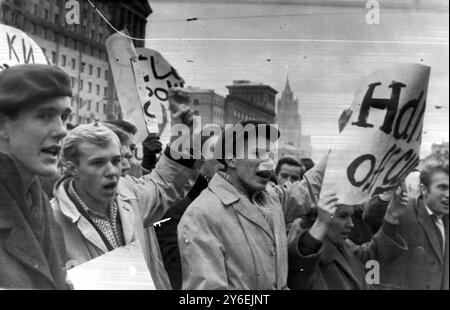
383, 136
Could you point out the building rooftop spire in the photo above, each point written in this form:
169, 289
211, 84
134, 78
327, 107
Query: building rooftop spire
287, 88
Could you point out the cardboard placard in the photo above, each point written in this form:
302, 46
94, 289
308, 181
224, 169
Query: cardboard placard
380, 144
121, 269
16, 48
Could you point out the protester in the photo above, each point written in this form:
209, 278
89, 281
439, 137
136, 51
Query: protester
100, 211
167, 231
158, 271
151, 148
323, 258
425, 266
34, 107
233, 236
125, 147
288, 169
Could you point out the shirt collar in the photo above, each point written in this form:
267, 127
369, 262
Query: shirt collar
431, 213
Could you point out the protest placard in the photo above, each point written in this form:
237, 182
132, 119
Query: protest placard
158, 76
121, 269
380, 144
16, 47
121, 52
142, 78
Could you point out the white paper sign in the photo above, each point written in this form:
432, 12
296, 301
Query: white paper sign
121, 269
120, 53
16, 47
380, 144
158, 76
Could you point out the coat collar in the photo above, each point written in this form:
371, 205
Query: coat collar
224, 190
425, 220
331, 254
229, 195
20, 241
70, 211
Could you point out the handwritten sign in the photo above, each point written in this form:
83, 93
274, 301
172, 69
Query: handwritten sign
157, 76
121, 269
16, 47
383, 136
142, 78
121, 52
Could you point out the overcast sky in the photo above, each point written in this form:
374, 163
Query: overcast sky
325, 50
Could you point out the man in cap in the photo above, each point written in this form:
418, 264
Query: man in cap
34, 106
233, 236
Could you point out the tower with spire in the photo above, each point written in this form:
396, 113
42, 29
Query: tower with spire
290, 125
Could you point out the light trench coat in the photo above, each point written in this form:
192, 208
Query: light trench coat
141, 202
226, 242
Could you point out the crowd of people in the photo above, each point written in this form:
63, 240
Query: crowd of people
237, 220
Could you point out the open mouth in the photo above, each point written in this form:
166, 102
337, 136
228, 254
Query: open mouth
265, 174
53, 150
110, 186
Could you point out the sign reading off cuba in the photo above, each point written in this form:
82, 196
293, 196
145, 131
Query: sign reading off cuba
380, 144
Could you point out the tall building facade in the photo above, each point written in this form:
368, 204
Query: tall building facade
290, 125
207, 104
79, 49
249, 101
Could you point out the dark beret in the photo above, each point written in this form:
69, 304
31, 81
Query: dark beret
30, 84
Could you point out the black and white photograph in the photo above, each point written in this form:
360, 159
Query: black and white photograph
224, 145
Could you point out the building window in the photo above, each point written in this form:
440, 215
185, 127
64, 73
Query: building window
106, 74
81, 85
105, 92
90, 69
90, 87
82, 66
56, 19
196, 102
43, 50
97, 107
89, 105
46, 14
104, 108
92, 34
99, 72
97, 90
74, 63
73, 81
63, 60
54, 59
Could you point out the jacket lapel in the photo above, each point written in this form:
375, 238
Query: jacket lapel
280, 245
127, 218
331, 254
69, 210
230, 196
250, 212
428, 226
20, 242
